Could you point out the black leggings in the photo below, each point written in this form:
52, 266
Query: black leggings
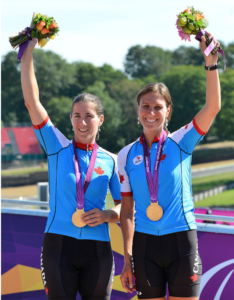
69, 265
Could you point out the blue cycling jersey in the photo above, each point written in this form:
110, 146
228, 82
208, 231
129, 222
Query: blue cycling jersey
62, 183
174, 192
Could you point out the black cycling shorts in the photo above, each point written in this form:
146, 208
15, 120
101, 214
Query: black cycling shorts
171, 259
69, 266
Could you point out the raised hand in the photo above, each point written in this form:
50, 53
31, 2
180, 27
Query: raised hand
211, 59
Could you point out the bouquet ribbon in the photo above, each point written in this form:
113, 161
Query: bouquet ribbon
210, 47
24, 45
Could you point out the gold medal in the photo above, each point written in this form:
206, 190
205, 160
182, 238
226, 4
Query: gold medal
76, 220
154, 212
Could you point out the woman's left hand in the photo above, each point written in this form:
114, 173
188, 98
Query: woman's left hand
210, 59
94, 217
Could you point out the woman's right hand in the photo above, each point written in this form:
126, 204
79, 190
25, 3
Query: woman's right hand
127, 278
32, 44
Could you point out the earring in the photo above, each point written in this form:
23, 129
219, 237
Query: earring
99, 129
166, 122
72, 129
138, 121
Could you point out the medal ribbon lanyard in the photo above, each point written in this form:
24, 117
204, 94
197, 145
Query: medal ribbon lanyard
153, 182
79, 190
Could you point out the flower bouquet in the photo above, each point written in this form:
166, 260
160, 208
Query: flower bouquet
193, 22
42, 27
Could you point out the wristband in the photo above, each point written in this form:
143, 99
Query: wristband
211, 68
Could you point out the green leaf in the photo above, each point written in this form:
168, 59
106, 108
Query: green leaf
199, 23
191, 17
33, 34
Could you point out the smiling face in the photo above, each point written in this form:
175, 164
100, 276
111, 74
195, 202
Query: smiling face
85, 122
152, 112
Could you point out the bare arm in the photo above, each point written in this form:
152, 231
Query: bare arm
212, 106
127, 226
29, 85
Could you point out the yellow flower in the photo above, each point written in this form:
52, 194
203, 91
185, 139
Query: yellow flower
43, 42
52, 37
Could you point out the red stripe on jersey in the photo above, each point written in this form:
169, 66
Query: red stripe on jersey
127, 194
42, 124
117, 201
197, 128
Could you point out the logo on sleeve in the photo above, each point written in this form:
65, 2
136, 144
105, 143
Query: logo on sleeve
138, 160
99, 171
121, 178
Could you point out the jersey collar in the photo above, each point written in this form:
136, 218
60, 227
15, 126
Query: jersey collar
84, 146
156, 139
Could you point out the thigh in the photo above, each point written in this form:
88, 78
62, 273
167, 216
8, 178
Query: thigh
58, 273
184, 273
150, 277
97, 274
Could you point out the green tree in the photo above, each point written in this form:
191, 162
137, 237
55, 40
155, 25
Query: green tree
229, 53
150, 60
12, 96
59, 110
187, 56
54, 75
187, 86
125, 92
225, 118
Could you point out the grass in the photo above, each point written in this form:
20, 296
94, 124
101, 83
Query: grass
224, 199
204, 183
24, 171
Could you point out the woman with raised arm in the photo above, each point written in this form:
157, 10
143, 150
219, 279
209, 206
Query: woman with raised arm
76, 253
155, 174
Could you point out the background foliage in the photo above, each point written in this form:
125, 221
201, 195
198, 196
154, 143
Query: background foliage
59, 82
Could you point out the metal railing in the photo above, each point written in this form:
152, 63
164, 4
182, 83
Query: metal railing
46, 204
25, 202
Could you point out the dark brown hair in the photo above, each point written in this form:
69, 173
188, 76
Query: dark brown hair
89, 98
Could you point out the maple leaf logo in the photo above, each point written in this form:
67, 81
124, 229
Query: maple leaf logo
163, 157
46, 290
186, 126
194, 277
121, 178
138, 157
99, 170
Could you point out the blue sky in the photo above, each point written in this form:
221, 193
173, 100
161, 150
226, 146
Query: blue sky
102, 31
